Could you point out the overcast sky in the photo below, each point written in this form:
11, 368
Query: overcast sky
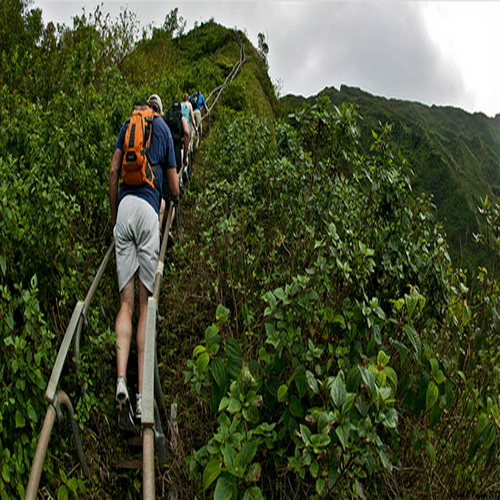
444, 53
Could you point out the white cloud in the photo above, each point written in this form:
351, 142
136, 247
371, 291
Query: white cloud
445, 53
468, 35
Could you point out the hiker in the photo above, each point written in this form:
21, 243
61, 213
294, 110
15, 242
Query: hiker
187, 113
135, 219
179, 128
198, 102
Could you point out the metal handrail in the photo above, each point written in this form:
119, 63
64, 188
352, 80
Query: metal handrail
231, 76
151, 386
55, 397
54, 408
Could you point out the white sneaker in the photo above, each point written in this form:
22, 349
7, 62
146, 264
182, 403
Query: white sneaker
125, 414
138, 406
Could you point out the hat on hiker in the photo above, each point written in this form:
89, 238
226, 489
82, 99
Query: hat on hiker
155, 102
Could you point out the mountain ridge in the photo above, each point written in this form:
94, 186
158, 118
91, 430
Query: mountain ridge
455, 156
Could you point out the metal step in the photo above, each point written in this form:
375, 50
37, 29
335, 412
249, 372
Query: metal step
132, 463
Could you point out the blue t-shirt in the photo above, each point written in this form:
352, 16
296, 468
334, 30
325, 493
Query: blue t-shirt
201, 101
160, 154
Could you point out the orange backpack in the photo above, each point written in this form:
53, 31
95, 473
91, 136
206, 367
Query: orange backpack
136, 169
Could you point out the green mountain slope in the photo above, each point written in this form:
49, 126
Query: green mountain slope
202, 58
455, 157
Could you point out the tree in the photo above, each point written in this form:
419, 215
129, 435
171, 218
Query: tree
263, 48
18, 25
174, 24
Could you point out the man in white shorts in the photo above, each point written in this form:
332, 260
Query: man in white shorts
135, 218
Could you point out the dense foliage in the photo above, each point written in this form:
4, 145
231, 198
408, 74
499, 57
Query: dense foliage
342, 360
347, 356
455, 157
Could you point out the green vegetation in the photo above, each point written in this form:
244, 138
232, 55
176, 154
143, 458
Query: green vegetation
315, 335
455, 157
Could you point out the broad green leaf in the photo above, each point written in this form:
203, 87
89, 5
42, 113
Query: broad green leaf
320, 486
282, 392
296, 407
224, 402
62, 492
489, 435
218, 372
198, 350
431, 452
221, 314
6, 472
312, 382
234, 366
226, 488
434, 365
382, 358
211, 332
368, 379
233, 406
481, 424
314, 468
270, 329
211, 472
439, 377
305, 432
431, 395
264, 355
32, 415
411, 302
343, 435
253, 493
73, 486
232, 348
202, 362
338, 391
230, 456
20, 421
323, 422
319, 441
393, 378
280, 294
247, 452
413, 337
398, 304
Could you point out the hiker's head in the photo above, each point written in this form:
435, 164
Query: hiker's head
186, 96
154, 102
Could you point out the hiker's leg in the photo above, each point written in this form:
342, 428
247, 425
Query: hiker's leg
123, 328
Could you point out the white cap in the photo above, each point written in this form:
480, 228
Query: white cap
154, 100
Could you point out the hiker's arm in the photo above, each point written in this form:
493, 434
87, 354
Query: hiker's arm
173, 183
114, 172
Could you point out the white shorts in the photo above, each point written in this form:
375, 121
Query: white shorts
137, 241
